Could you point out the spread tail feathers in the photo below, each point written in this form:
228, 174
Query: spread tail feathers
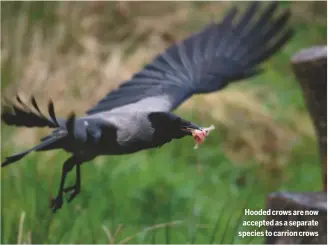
22, 115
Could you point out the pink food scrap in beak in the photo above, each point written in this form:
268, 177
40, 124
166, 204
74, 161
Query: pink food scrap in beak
200, 135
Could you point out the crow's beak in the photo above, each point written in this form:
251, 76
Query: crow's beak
190, 128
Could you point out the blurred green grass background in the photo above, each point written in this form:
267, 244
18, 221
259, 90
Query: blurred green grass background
75, 52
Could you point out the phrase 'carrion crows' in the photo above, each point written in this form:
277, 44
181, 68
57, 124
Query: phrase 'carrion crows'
137, 115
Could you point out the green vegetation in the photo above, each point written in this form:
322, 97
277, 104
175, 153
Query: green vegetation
264, 140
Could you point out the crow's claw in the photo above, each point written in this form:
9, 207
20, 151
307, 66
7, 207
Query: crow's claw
56, 203
73, 195
74, 192
69, 189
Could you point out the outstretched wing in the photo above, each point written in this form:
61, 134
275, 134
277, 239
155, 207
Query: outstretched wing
204, 62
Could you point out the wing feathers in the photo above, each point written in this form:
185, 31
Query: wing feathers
23, 115
205, 62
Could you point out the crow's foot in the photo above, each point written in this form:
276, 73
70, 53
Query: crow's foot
75, 190
56, 203
69, 189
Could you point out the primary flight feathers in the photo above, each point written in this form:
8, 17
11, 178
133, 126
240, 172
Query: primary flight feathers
204, 62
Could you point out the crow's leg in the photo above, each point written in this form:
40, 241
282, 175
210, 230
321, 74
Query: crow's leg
68, 165
77, 187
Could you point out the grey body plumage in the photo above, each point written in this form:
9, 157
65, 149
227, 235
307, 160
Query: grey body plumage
136, 115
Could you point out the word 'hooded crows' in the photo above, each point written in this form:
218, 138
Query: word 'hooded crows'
136, 115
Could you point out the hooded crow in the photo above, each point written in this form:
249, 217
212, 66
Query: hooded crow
137, 115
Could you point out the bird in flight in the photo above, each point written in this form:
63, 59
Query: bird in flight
137, 115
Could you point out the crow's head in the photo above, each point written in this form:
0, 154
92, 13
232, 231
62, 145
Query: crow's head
168, 126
